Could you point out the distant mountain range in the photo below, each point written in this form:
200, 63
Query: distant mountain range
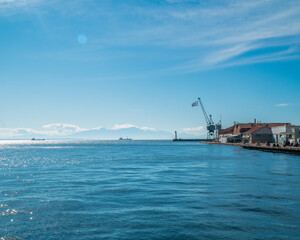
100, 134
69, 131
132, 132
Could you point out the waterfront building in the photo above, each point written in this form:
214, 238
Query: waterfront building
235, 132
285, 133
260, 133
224, 134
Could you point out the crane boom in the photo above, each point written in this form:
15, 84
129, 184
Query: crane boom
209, 121
204, 112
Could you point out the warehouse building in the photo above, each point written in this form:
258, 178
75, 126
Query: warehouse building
260, 133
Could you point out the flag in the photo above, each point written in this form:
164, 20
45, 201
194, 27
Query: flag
195, 104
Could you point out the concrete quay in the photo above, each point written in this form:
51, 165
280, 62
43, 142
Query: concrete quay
282, 149
262, 147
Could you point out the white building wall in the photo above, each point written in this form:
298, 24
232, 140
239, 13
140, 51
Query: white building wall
296, 134
293, 130
279, 129
276, 136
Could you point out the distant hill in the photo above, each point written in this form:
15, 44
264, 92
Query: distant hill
70, 131
112, 134
101, 134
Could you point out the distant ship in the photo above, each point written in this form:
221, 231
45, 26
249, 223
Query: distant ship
124, 139
36, 139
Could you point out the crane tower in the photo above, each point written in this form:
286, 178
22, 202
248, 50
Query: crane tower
209, 121
212, 128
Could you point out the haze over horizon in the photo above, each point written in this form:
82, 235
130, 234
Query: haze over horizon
73, 67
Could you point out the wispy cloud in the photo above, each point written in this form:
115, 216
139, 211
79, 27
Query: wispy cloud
201, 35
282, 105
192, 132
217, 35
55, 129
195, 129
228, 53
62, 129
13, 132
9, 4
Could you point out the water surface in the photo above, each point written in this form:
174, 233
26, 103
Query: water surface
146, 190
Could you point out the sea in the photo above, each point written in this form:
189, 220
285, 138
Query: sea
146, 190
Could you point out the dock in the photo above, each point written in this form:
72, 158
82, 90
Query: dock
263, 147
285, 149
191, 140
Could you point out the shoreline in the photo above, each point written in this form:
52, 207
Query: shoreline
219, 143
262, 147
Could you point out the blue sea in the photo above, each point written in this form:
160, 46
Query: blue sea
146, 190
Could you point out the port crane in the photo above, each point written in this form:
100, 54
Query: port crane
211, 127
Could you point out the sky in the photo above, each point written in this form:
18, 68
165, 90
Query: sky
86, 64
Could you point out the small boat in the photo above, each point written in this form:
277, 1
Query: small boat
36, 139
124, 139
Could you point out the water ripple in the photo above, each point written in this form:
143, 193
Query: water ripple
146, 190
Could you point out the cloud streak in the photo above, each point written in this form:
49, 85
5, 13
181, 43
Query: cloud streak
202, 35
218, 35
62, 129
282, 105
11, 4
14, 132
196, 130
55, 129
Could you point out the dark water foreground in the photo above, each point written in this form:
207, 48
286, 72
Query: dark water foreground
146, 190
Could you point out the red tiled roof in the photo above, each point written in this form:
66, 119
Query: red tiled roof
251, 126
278, 124
226, 130
257, 127
261, 125
245, 125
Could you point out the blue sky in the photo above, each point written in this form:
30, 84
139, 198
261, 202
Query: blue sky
108, 63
